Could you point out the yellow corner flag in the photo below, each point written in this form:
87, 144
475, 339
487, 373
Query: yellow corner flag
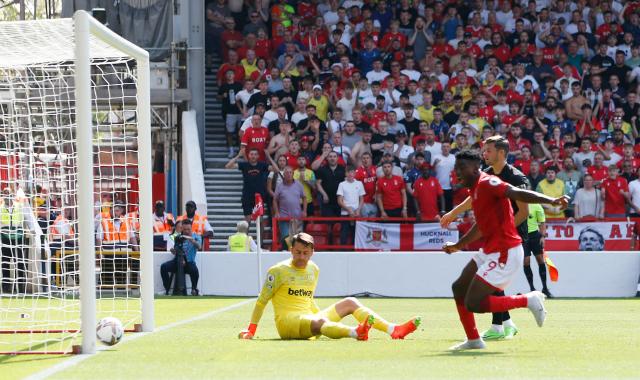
553, 271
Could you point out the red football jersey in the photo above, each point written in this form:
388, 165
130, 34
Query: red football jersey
598, 174
368, 178
614, 201
390, 189
494, 215
256, 138
426, 192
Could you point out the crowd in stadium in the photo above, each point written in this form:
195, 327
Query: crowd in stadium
357, 108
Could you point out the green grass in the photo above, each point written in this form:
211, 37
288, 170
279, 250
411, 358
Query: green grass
581, 339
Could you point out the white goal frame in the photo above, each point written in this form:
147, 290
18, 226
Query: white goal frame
84, 26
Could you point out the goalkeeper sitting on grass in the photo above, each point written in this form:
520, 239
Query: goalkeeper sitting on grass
290, 285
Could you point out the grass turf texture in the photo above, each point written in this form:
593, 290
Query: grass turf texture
581, 339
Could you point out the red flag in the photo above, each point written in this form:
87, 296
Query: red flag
553, 271
258, 209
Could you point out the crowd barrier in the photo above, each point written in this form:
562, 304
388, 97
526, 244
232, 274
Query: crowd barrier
411, 274
409, 234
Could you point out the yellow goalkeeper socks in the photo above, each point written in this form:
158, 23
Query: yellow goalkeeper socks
335, 330
333, 315
379, 323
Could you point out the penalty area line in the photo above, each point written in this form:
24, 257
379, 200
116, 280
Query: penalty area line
77, 359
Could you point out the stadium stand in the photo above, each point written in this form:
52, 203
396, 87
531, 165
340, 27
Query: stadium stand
548, 76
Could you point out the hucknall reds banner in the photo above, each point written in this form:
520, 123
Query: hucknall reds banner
596, 236
402, 237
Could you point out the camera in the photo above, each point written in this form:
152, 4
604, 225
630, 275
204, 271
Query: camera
179, 239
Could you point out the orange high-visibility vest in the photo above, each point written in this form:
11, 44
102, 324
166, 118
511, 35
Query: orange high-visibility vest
59, 225
134, 220
161, 227
110, 235
197, 223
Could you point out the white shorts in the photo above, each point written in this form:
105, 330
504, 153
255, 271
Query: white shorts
499, 275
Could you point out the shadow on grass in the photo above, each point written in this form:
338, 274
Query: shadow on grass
470, 353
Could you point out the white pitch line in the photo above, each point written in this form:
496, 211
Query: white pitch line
77, 359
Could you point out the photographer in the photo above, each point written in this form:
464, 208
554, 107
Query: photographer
186, 244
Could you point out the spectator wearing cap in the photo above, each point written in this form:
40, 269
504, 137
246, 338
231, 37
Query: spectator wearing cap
615, 194
241, 241
391, 196
320, 101
428, 195
199, 222
163, 224
115, 232
553, 187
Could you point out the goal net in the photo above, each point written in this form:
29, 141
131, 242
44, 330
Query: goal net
75, 184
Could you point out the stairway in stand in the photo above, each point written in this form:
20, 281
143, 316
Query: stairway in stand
223, 187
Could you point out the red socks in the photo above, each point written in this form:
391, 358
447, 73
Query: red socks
496, 304
468, 320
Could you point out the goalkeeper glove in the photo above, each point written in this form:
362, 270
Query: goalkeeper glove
249, 332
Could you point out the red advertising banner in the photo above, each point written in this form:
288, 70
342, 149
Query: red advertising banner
596, 236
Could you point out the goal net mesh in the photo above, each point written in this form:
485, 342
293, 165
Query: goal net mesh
40, 295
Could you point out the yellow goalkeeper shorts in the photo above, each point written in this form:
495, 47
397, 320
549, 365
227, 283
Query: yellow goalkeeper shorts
298, 326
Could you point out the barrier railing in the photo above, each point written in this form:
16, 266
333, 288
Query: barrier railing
331, 234
322, 220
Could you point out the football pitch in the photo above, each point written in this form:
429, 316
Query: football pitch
196, 338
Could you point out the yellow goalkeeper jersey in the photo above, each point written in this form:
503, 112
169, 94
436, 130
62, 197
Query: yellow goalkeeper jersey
290, 290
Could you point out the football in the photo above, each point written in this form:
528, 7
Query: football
110, 331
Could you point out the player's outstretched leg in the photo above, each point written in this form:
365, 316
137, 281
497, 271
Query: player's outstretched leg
480, 300
335, 330
353, 306
460, 288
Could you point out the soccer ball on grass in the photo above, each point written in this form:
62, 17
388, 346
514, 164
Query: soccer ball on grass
110, 331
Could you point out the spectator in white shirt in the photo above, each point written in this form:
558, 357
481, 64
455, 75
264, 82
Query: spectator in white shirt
377, 74
443, 164
350, 199
347, 102
339, 148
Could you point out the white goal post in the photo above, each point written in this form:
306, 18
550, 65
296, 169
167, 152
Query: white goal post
75, 145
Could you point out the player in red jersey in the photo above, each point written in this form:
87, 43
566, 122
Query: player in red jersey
495, 267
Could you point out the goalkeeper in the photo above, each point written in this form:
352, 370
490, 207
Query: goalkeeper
290, 285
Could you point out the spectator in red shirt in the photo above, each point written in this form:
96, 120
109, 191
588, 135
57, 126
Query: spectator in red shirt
391, 194
393, 34
428, 196
232, 63
524, 162
366, 174
231, 38
516, 141
257, 137
598, 171
615, 194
